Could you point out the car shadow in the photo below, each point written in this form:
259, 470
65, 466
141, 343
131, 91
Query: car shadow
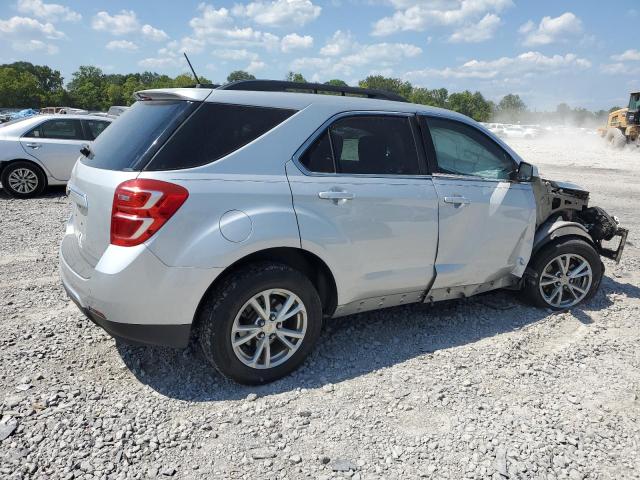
53, 191
360, 344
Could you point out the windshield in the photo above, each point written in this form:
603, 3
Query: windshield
136, 135
634, 102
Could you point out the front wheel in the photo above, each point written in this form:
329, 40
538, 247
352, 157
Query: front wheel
563, 275
261, 323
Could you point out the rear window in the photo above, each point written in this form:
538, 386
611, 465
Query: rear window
133, 138
214, 131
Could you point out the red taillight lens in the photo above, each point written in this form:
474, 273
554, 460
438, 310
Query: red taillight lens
141, 207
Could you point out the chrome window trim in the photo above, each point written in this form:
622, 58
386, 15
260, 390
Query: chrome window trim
354, 113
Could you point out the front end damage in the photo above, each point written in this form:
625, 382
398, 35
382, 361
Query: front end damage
563, 205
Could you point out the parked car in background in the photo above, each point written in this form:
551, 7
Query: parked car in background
243, 216
41, 150
116, 110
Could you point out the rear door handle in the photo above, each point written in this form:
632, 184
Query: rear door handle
457, 200
336, 195
35, 146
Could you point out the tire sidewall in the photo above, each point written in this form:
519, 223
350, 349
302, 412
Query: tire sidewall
215, 334
21, 164
560, 247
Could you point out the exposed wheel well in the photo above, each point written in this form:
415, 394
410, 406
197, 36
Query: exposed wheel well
306, 262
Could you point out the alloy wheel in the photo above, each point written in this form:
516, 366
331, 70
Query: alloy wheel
269, 329
566, 280
23, 180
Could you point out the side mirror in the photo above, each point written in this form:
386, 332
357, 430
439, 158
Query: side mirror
525, 172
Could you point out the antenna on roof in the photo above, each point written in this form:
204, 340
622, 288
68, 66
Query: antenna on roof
192, 70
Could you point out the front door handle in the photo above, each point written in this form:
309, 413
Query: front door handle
35, 146
457, 200
336, 195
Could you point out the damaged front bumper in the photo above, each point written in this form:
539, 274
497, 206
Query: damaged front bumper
616, 254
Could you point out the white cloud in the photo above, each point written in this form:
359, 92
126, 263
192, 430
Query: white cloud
342, 54
479, 32
159, 62
121, 45
294, 41
551, 30
631, 55
35, 45
526, 64
26, 34
255, 66
154, 34
411, 15
235, 54
118, 24
278, 13
619, 68
49, 11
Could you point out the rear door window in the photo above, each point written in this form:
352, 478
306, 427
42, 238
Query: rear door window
136, 135
214, 131
365, 144
59, 129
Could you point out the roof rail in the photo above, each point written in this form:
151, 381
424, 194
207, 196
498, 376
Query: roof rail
284, 86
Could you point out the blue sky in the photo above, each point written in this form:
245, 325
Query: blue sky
546, 51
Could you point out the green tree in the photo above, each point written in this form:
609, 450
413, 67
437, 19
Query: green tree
88, 88
237, 75
511, 107
394, 85
49, 82
18, 89
473, 105
184, 80
295, 77
433, 98
337, 83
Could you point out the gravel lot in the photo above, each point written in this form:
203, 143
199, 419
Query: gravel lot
482, 388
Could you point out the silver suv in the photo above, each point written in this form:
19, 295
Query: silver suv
242, 216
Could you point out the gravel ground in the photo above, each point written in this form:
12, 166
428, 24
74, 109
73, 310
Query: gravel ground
482, 388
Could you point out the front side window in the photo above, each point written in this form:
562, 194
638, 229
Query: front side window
61, 129
214, 131
463, 150
95, 128
365, 144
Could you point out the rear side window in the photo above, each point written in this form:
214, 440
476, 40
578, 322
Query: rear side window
318, 158
133, 138
94, 128
214, 131
63, 129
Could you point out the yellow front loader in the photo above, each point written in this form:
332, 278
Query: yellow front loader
623, 126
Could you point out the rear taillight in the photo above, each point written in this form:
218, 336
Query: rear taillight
141, 207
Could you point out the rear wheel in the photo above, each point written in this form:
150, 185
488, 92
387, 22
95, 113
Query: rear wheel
563, 275
23, 179
261, 323
615, 138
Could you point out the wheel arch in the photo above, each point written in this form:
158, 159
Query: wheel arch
5, 163
555, 229
306, 262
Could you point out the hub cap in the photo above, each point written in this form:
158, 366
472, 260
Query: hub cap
565, 280
269, 328
23, 180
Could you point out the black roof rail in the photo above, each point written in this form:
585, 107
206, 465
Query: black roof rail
284, 86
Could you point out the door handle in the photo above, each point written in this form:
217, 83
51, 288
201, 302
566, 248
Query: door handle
35, 146
457, 200
336, 195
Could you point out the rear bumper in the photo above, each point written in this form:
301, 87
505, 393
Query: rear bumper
176, 336
132, 295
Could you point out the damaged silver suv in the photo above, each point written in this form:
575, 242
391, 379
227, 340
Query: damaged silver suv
242, 216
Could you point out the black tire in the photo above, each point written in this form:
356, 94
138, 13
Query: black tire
32, 170
222, 305
615, 138
531, 290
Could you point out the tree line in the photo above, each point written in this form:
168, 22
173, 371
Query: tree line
24, 85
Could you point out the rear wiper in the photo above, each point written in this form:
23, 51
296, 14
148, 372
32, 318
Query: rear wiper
86, 151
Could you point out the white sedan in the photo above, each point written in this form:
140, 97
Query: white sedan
41, 150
